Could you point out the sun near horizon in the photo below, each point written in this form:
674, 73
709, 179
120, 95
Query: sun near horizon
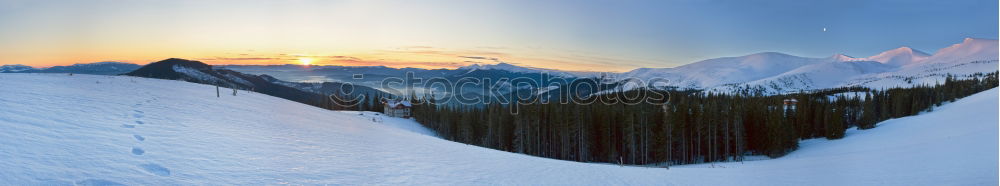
305, 61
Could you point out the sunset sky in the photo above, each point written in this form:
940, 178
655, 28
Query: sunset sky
569, 35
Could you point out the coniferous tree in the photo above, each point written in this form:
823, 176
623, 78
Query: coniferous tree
693, 127
835, 124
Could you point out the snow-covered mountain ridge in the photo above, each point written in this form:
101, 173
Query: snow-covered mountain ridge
101, 68
775, 73
514, 68
895, 57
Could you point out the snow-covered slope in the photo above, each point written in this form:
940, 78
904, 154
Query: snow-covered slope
970, 57
956, 144
104, 130
401, 123
810, 77
899, 57
900, 67
15, 68
896, 57
727, 70
971, 49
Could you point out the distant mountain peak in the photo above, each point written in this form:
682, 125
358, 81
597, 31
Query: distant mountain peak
899, 56
16, 65
498, 66
503, 64
15, 68
100, 68
971, 49
768, 54
977, 41
177, 60
908, 50
513, 68
843, 57
164, 69
970, 43
103, 63
183, 62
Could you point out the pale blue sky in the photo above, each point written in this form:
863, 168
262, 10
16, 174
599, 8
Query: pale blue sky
552, 34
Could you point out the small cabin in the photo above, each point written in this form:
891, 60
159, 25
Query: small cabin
396, 108
790, 103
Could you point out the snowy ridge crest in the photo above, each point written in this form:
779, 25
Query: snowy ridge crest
777, 73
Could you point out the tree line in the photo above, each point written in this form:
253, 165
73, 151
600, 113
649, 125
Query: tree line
687, 126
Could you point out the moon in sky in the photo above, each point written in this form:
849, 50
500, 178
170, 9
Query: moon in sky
824, 29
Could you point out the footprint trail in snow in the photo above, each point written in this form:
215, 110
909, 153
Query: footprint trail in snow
151, 168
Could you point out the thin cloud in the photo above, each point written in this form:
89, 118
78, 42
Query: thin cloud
240, 58
399, 64
351, 58
480, 57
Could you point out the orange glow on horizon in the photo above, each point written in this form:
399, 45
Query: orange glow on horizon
305, 61
412, 57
